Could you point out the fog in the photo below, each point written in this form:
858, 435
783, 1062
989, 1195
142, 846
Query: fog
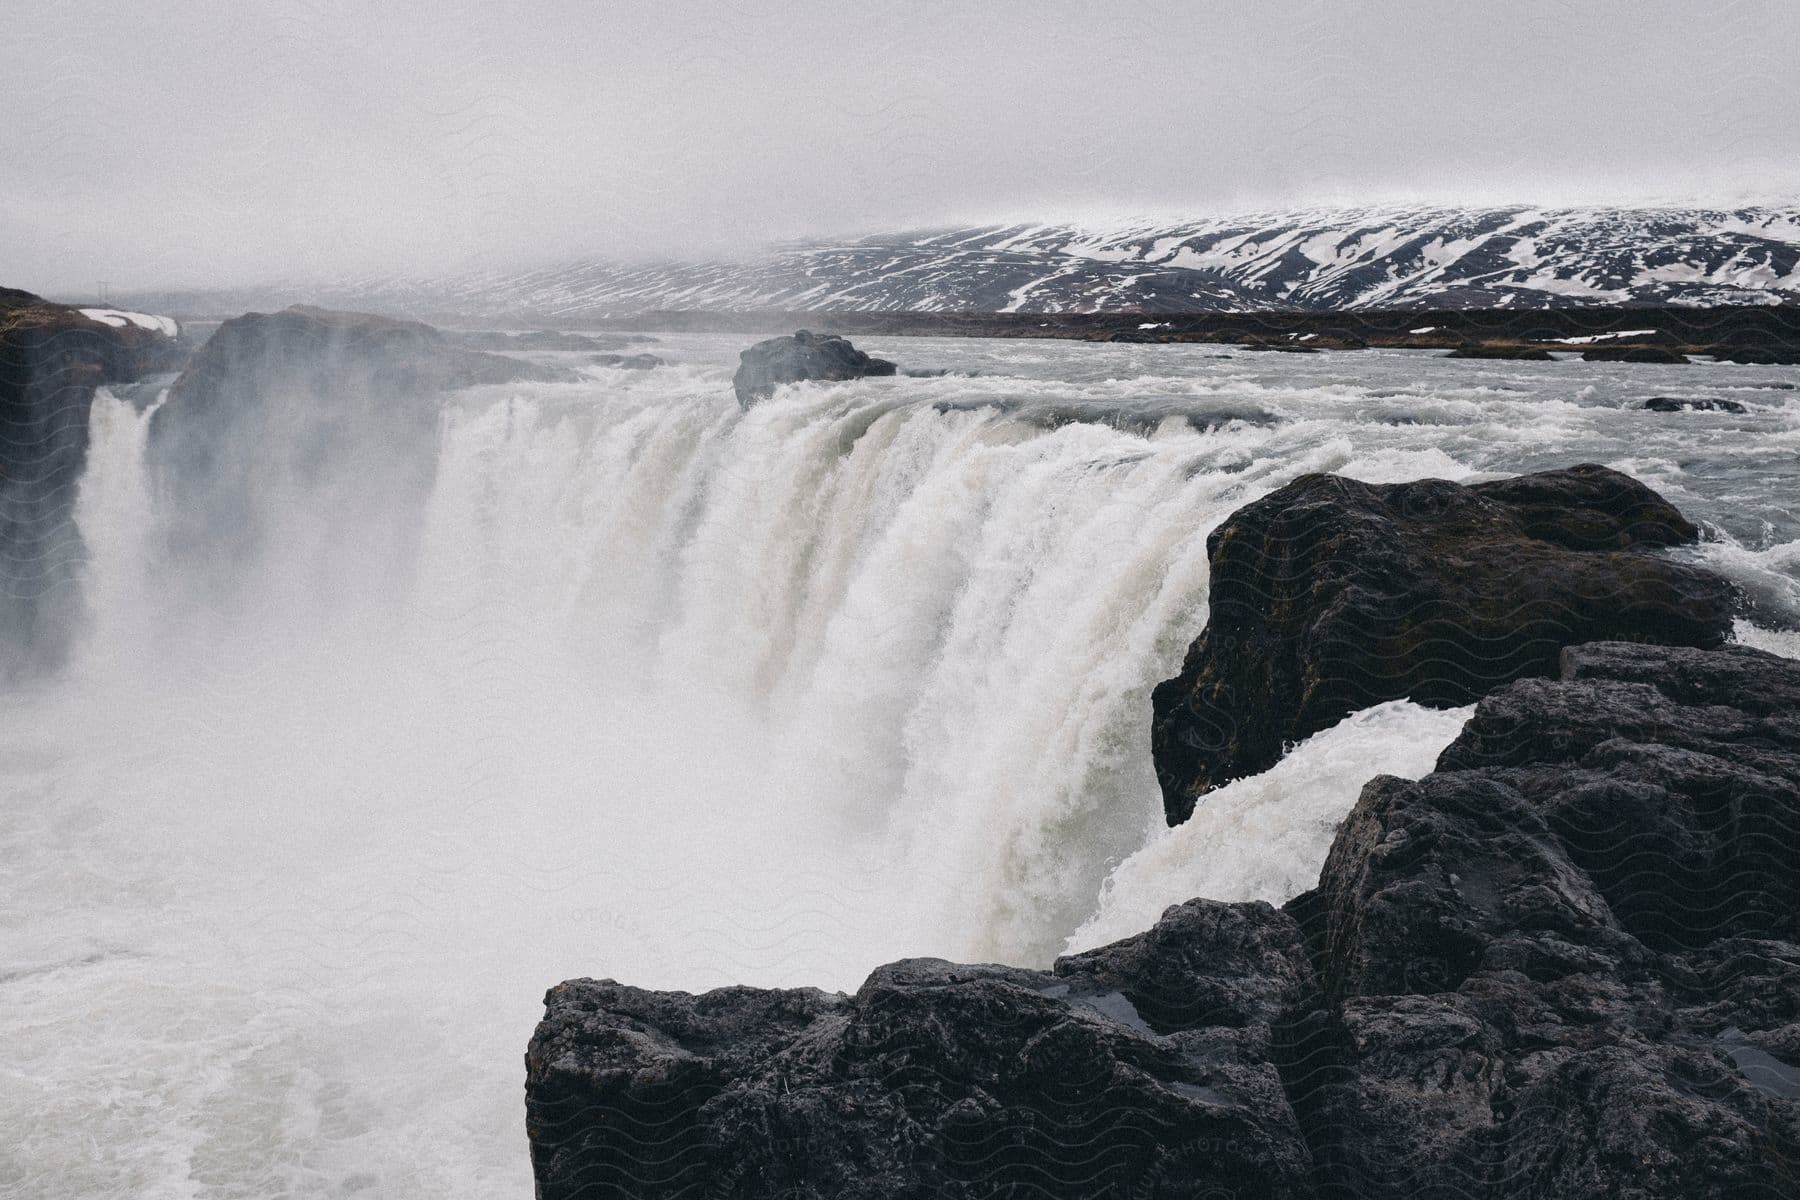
198, 141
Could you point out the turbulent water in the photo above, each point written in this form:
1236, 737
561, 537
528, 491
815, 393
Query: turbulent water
687, 697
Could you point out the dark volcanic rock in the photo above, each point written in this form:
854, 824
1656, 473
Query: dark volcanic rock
1301, 343
1280, 345
1146, 1068
1633, 354
1564, 965
52, 358
320, 351
1669, 404
1550, 957
769, 364
1764, 356
308, 410
1500, 350
1330, 595
628, 362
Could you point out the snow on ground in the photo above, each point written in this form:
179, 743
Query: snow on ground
1605, 337
118, 319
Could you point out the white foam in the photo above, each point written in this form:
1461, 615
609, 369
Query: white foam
1265, 837
1785, 642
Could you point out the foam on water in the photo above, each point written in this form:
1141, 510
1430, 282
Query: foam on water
686, 697
1263, 838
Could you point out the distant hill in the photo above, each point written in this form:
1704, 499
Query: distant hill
1358, 259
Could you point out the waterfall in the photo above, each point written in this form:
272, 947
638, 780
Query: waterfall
635, 684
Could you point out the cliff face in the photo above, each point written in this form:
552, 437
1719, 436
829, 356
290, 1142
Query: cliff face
1331, 595
1566, 964
1118, 1068
308, 416
52, 358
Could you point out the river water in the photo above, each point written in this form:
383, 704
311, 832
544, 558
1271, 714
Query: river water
685, 696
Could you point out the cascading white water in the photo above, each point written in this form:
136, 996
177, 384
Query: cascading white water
673, 694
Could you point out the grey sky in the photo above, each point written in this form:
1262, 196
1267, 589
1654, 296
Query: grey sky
190, 141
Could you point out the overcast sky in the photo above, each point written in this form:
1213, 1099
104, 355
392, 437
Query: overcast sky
204, 141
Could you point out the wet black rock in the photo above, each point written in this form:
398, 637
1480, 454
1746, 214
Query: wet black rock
1669, 404
628, 362
1300, 343
1146, 1068
319, 351
1633, 354
1762, 356
1562, 965
806, 355
1500, 350
52, 358
1330, 595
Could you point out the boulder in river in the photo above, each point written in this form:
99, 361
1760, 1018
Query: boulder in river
628, 362
1763, 356
1501, 350
1670, 404
1330, 595
806, 355
1633, 354
1565, 964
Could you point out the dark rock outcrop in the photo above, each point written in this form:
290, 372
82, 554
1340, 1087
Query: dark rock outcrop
1669, 404
1330, 595
806, 355
1633, 354
308, 410
1761, 356
628, 362
317, 350
52, 358
1563, 966
1144, 1068
1501, 350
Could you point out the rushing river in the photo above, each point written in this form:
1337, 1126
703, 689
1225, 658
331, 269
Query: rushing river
683, 696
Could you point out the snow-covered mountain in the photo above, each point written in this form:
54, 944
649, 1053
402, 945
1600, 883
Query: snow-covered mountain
1365, 258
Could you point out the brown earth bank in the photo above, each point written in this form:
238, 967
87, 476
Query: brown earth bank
1566, 964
